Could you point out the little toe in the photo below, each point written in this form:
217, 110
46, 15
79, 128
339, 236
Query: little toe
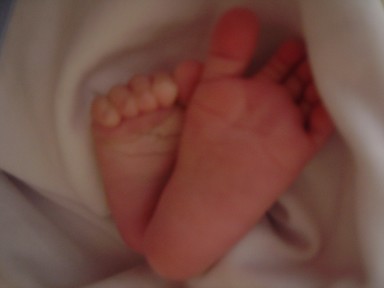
284, 62
104, 113
164, 89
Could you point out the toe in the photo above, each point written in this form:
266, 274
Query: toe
319, 123
320, 126
130, 108
233, 44
164, 89
140, 84
311, 94
146, 102
104, 113
117, 96
298, 81
284, 62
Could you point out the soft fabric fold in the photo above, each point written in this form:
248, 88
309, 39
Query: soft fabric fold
58, 55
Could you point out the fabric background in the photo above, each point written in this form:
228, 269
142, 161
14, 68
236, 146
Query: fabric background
55, 226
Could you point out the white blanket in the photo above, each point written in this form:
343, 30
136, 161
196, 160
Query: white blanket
54, 223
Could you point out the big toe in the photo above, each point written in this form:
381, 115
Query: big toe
233, 44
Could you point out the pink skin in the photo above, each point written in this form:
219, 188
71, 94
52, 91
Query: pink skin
243, 142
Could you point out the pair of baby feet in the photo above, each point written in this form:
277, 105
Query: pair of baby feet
191, 160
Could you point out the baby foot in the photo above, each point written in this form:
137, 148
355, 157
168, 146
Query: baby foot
136, 130
245, 140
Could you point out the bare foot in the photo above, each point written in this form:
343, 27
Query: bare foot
136, 131
245, 140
